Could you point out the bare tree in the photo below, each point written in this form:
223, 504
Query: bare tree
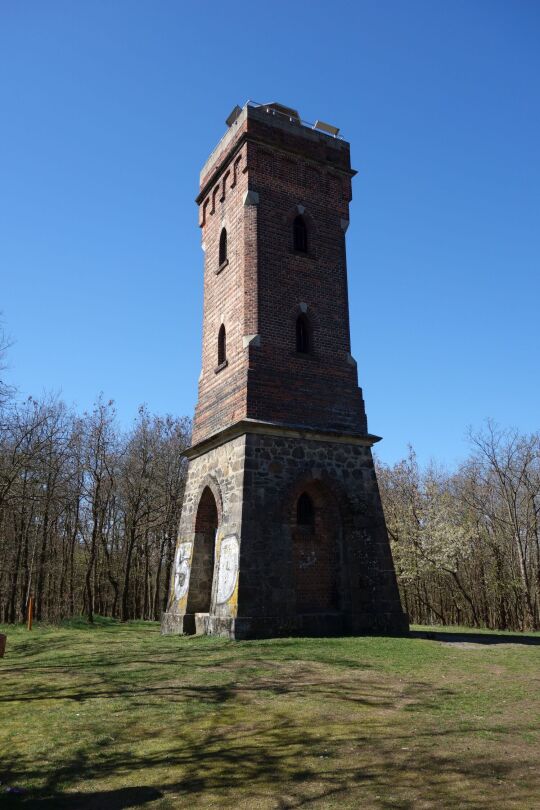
466, 545
6, 391
88, 514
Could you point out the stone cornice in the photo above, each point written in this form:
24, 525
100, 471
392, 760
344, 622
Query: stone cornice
254, 426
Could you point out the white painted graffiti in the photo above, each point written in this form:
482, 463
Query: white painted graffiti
181, 570
228, 568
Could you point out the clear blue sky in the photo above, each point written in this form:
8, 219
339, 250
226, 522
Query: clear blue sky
108, 111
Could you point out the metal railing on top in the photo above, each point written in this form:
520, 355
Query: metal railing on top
293, 119
271, 111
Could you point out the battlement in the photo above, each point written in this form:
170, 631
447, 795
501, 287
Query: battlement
327, 146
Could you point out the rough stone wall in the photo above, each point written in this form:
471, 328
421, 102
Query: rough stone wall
257, 480
222, 471
316, 555
277, 470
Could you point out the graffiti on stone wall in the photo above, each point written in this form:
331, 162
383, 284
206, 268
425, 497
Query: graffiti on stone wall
228, 568
181, 570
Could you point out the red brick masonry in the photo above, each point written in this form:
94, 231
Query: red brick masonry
266, 284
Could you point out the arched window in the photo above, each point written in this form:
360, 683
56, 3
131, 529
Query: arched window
222, 247
305, 512
303, 335
222, 345
300, 236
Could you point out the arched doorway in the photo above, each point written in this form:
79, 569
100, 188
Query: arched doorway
202, 563
316, 536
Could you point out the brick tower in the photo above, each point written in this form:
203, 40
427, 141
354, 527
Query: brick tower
282, 530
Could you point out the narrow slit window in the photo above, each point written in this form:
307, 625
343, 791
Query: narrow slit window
303, 336
222, 345
222, 247
300, 236
305, 512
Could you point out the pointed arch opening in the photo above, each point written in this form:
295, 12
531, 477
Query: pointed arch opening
305, 511
223, 247
303, 335
222, 345
202, 564
316, 550
300, 234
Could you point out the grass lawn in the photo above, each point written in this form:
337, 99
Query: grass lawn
116, 716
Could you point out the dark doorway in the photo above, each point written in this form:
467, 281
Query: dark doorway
202, 565
316, 533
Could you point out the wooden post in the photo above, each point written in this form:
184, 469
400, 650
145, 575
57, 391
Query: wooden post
30, 611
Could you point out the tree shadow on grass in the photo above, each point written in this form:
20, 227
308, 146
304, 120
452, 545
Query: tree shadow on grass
287, 768
475, 638
136, 680
217, 695
275, 760
120, 799
33, 646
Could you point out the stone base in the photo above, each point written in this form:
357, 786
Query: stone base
196, 624
332, 576
208, 625
319, 625
173, 624
314, 625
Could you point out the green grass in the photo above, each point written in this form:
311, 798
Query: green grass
116, 716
